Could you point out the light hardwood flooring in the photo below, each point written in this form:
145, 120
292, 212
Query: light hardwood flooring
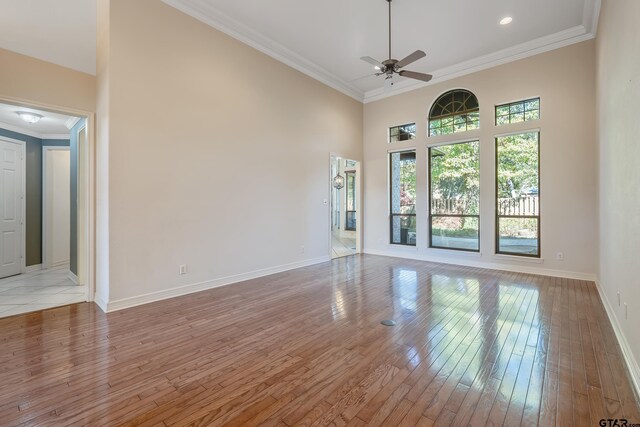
306, 347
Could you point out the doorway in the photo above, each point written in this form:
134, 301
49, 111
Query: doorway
56, 207
46, 256
344, 206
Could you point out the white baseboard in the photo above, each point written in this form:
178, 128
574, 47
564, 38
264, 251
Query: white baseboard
33, 268
100, 302
470, 259
202, 286
58, 264
627, 354
73, 277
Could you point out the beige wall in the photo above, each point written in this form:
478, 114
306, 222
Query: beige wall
564, 79
218, 155
29, 79
618, 72
103, 53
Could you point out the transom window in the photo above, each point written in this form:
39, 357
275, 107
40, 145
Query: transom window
402, 133
516, 112
455, 111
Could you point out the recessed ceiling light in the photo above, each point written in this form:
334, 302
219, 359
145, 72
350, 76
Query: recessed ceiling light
506, 20
29, 117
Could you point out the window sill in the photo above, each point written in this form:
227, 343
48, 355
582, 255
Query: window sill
402, 247
516, 258
454, 252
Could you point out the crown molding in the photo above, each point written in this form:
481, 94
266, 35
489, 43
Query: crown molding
591, 16
71, 122
206, 13
32, 133
534, 47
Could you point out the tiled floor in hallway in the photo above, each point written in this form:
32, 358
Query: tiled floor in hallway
37, 291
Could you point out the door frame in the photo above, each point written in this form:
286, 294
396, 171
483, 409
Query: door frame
23, 202
45, 148
359, 234
83, 234
90, 185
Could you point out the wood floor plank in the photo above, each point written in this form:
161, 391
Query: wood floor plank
306, 347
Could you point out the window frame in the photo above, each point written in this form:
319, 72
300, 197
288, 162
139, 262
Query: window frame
415, 132
509, 104
495, 204
390, 194
429, 182
466, 112
350, 174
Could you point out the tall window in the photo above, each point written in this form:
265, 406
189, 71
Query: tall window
351, 201
455, 111
403, 198
518, 194
454, 196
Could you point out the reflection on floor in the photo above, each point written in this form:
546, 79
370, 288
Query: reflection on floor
306, 347
343, 243
37, 291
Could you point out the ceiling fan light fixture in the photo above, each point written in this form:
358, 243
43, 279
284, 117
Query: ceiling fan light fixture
506, 20
391, 67
28, 117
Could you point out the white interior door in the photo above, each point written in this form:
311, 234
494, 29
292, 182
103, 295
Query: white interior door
11, 177
57, 206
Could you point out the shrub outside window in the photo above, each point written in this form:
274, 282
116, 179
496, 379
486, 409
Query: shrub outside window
518, 194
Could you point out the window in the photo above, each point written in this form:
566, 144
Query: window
351, 201
402, 133
455, 111
518, 194
516, 112
454, 196
403, 198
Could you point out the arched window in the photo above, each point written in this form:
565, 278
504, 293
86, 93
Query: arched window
455, 111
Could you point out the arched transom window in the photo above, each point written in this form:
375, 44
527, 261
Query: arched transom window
455, 111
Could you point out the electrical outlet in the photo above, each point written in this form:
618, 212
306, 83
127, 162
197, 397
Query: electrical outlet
182, 269
560, 256
618, 298
626, 311
302, 249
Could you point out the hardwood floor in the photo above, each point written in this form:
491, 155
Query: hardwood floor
306, 347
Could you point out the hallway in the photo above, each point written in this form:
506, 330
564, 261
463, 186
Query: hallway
38, 290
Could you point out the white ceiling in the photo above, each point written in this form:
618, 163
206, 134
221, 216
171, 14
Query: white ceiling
326, 38
58, 31
51, 126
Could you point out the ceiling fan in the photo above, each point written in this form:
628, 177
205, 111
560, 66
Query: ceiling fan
392, 66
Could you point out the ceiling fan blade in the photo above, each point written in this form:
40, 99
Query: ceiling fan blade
418, 54
417, 76
372, 61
